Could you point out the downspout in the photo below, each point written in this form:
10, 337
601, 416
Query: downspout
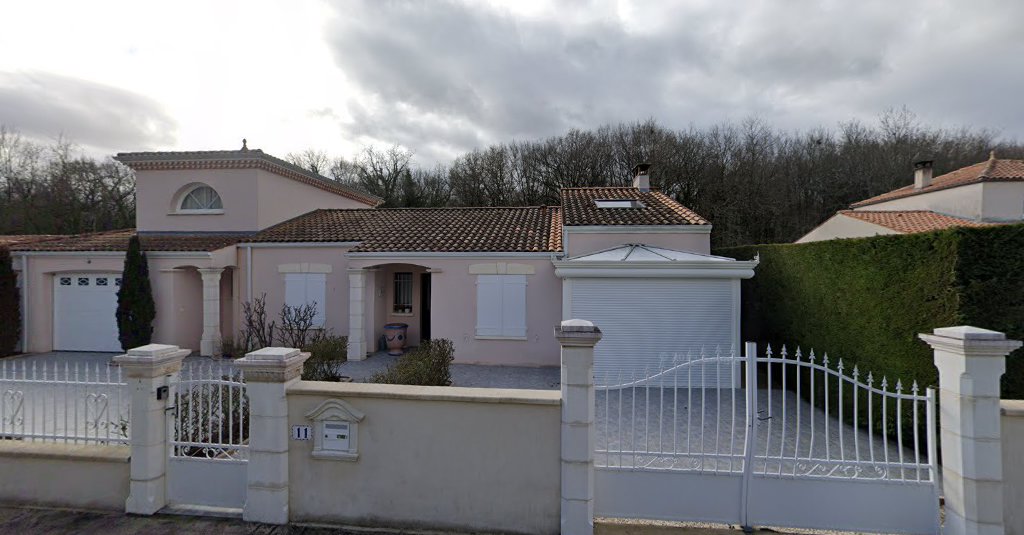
24, 303
248, 273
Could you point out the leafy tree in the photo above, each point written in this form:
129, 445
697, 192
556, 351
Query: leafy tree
10, 307
135, 307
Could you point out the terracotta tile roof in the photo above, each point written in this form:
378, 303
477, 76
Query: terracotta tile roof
912, 221
240, 159
991, 170
507, 229
10, 240
580, 208
117, 240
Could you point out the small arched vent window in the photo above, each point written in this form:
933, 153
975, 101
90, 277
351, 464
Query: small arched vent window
201, 198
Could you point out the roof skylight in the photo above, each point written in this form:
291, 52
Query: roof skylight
618, 203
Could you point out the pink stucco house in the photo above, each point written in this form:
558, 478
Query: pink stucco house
223, 227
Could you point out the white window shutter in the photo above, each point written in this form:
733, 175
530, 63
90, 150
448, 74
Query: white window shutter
513, 305
316, 291
294, 289
488, 305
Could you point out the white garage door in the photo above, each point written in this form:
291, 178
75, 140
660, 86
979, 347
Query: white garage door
650, 323
84, 311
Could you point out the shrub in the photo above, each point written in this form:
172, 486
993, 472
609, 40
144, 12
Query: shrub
865, 300
427, 365
228, 349
10, 305
297, 328
256, 333
325, 356
135, 308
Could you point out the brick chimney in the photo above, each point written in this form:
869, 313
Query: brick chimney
641, 180
922, 174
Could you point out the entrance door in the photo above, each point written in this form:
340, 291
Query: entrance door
425, 306
85, 311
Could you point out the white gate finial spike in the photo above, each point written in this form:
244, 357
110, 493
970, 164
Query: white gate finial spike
871, 379
840, 365
914, 388
899, 386
811, 358
824, 361
768, 351
798, 354
885, 382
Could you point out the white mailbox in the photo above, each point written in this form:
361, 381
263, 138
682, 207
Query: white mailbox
336, 430
336, 436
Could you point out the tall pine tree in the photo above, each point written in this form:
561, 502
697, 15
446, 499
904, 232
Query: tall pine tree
135, 307
10, 305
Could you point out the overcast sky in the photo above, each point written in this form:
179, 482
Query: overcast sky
443, 77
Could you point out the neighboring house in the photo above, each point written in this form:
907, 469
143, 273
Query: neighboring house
986, 193
224, 227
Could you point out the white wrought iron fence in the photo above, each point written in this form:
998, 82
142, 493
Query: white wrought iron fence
211, 418
66, 402
812, 420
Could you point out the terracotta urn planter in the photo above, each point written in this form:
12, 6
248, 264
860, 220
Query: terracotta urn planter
395, 334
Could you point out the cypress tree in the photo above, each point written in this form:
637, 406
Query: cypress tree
135, 307
10, 305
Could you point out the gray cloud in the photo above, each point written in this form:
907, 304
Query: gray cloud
102, 118
443, 77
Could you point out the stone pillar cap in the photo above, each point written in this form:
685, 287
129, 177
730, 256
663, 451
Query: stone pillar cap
966, 332
272, 354
153, 350
577, 332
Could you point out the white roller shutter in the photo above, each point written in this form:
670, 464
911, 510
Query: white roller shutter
85, 312
649, 323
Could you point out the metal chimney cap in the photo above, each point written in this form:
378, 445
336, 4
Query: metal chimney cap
923, 164
641, 169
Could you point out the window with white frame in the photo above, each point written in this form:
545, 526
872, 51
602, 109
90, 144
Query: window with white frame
501, 306
403, 294
305, 288
201, 198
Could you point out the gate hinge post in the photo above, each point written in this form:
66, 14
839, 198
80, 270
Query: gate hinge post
149, 370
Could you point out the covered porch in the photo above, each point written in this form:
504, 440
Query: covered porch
386, 293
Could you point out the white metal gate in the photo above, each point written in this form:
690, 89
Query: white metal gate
802, 447
209, 446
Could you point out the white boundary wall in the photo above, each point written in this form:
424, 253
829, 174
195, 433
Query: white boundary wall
467, 459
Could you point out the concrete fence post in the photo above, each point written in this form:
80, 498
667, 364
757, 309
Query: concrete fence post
268, 373
148, 370
970, 362
577, 338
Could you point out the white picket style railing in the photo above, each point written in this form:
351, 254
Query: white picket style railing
78, 403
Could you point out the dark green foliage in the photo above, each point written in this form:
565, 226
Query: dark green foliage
865, 300
10, 305
427, 365
135, 307
326, 353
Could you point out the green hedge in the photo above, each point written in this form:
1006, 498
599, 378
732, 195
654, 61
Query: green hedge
865, 300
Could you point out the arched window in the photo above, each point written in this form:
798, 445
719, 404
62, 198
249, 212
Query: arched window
201, 198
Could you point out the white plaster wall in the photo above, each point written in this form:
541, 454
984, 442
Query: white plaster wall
964, 201
266, 278
841, 226
177, 292
156, 190
1004, 201
64, 475
453, 310
1013, 465
433, 457
282, 198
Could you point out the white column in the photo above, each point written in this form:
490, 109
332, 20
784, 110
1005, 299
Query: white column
577, 338
268, 373
970, 362
208, 345
356, 314
148, 368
